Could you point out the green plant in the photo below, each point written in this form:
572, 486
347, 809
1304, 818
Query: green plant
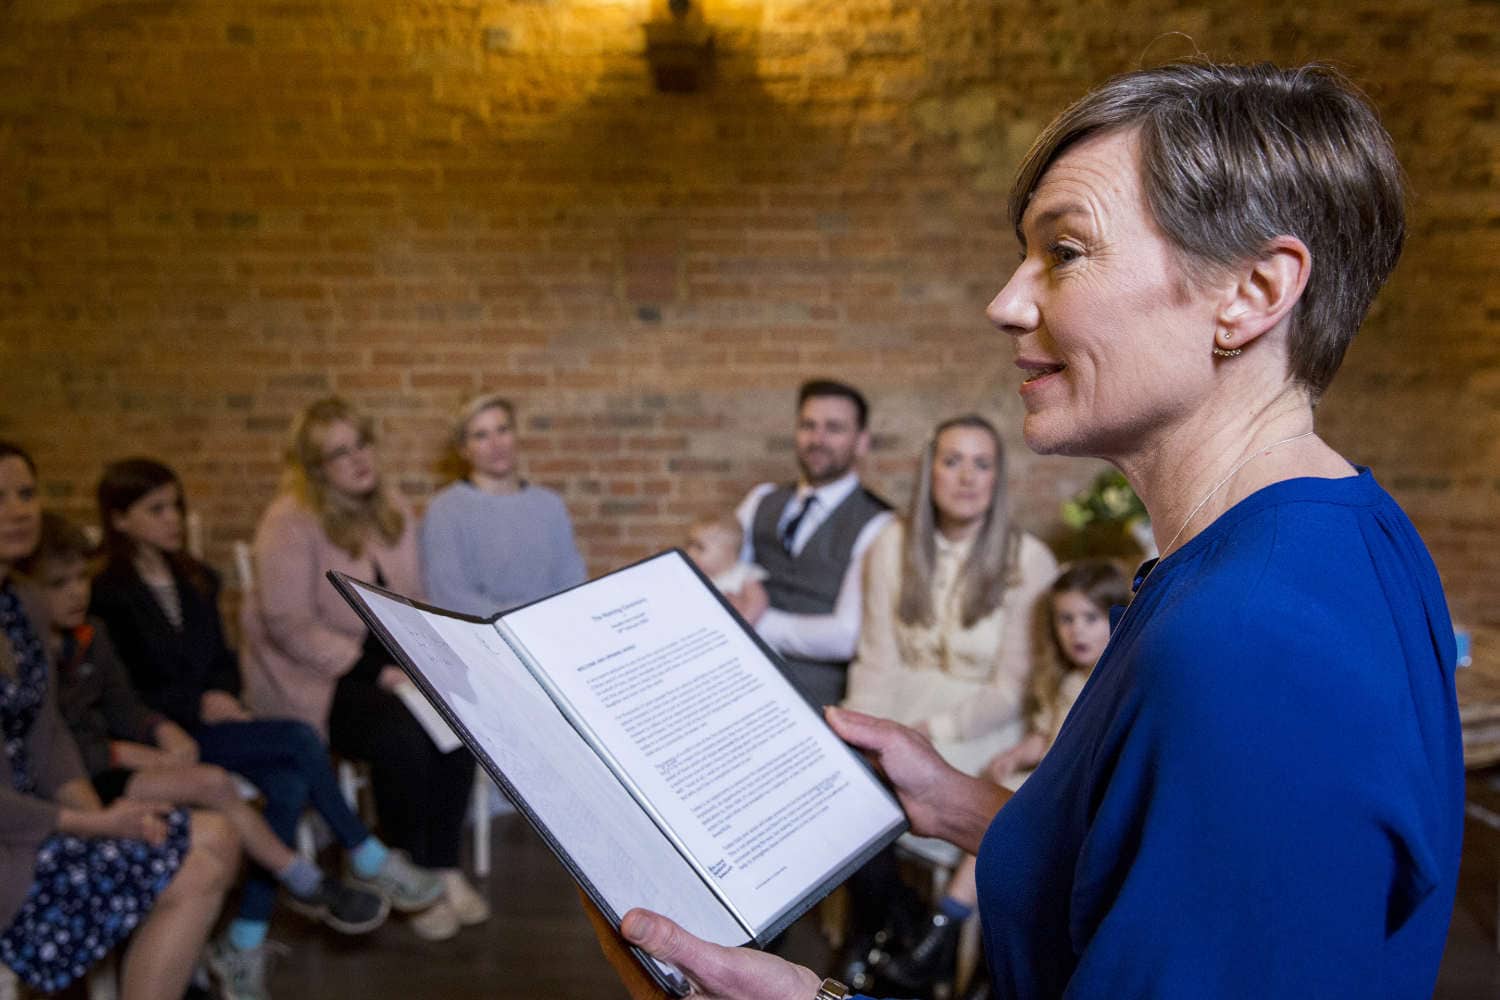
1109, 500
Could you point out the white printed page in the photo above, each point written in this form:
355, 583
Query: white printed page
560, 778
761, 793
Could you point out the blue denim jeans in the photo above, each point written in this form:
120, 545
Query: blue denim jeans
287, 761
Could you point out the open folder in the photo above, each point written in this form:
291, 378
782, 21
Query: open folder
650, 738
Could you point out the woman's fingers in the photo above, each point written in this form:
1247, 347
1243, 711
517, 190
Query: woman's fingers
136, 819
719, 973
154, 831
858, 729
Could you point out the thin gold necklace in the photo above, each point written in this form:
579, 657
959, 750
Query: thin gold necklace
1228, 476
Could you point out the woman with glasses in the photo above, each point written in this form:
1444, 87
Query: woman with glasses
307, 654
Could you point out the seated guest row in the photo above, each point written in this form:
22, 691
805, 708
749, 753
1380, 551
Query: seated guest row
490, 542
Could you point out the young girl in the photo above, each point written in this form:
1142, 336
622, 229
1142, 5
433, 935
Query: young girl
161, 609
1077, 629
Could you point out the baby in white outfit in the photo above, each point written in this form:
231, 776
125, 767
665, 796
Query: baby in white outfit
714, 544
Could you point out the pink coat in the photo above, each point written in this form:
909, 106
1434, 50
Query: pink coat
299, 635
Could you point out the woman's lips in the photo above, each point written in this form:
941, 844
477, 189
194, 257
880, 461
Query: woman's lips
1035, 370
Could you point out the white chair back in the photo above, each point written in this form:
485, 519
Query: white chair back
244, 566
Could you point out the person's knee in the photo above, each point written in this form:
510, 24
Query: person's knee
214, 786
213, 858
217, 835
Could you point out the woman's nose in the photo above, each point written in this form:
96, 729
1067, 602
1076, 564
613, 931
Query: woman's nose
1013, 310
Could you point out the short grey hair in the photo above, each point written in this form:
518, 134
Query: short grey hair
1233, 157
476, 406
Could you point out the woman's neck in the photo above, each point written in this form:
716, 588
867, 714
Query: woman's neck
1190, 474
497, 485
957, 530
151, 564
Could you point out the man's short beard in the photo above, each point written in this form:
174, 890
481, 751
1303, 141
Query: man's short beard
833, 474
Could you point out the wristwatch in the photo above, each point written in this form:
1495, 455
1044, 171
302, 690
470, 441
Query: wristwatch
832, 989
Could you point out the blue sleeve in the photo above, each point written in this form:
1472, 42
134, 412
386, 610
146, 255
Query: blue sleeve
443, 564
1259, 831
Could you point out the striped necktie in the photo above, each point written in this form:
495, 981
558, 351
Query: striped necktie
789, 533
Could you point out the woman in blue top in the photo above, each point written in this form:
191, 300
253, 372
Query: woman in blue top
493, 541
1259, 791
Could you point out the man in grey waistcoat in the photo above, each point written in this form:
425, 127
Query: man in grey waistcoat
811, 537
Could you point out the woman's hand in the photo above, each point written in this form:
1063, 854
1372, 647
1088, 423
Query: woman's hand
719, 973
221, 706
391, 678
940, 801
136, 820
175, 743
131, 819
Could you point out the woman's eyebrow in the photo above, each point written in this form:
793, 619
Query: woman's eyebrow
1048, 216
1056, 212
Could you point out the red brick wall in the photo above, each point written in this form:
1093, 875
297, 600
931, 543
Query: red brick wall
215, 212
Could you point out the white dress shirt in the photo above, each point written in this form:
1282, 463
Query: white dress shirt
815, 637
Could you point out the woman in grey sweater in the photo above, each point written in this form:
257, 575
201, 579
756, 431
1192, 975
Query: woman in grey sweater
492, 541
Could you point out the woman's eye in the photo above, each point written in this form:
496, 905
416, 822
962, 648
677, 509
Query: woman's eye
1063, 253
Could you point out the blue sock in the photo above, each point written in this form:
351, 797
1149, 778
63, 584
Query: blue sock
368, 857
954, 910
248, 935
301, 877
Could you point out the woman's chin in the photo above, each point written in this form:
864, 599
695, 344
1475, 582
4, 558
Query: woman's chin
1044, 437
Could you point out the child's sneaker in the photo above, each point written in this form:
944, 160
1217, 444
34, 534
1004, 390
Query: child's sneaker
242, 975
345, 908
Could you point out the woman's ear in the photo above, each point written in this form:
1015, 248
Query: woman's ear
1263, 293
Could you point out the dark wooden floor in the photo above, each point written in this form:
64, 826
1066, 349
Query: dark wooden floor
539, 947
